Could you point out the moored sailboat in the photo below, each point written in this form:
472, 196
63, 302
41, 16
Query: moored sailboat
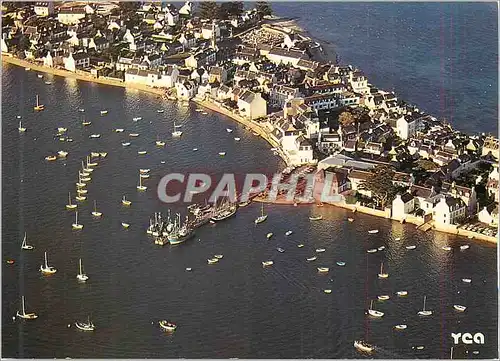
76, 225
25, 244
262, 216
38, 107
22, 313
424, 312
95, 213
82, 277
70, 205
46, 269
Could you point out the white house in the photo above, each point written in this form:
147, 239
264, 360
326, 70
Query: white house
47, 60
71, 15
359, 83
406, 126
448, 211
402, 205
5, 48
186, 8
44, 8
76, 60
280, 94
252, 105
169, 76
328, 143
186, 90
209, 31
489, 215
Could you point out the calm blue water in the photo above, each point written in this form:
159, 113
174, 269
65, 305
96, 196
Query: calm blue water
232, 309
442, 57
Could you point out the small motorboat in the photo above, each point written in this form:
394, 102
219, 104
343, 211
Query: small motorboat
167, 326
189, 269
94, 136
373, 231
411, 247
300, 245
218, 256
459, 308
39, 76
464, 247
310, 259
375, 313
320, 250
160, 143
160, 111
103, 154
10, 261
401, 327
104, 112
48, 82
381, 248
195, 149
237, 139
288, 233
372, 250
363, 346
62, 154
397, 239
229, 130
446, 248
125, 225
222, 154
212, 260
81, 110
420, 347
323, 269
328, 291
50, 158
144, 170
402, 293
269, 235
133, 135
466, 280
316, 218
341, 263
383, 297
350, 219
119, 130
267, 263
136, 119
382, 274
126, 144
141, 152
86, 123
280, 250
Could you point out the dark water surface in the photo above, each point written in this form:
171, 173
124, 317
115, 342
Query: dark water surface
234, 308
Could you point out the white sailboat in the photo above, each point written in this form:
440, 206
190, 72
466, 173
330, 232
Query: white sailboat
21, 128
262, 216
25, 244
424, 312
82, 277
459, 308
70, 205
382, 274
85, 326
22, 313
373, 312
76, 225
46, 269
38, 107
126, 202
176, 133
140, 187
95, 213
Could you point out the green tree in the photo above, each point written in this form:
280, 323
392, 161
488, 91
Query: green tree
208, 10
229, 9
263, 8
346, 118
427, 165
128, 6
379, 183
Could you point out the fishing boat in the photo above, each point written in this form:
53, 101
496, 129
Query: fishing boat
133, 135
382, 274
323, 269
94, 136
38, 107
70, 205
85, 326
180, 233
280, 250
267, 263
76, 225
269, 235
119, 130
212, 260
328, 291
411, 247
262, 216
136, 119
224, 211
176, 133
373, 231
401, 327
167, 326
222, 154
45, 268
464, 247
104, 112
316, 218
372, 250
446, 248
363, 346
141, 152
402, 293
62, 154
82, 277
95, 213
466, 280
22, 313
125, 225
237, 139
459, 308
51, 158
383, 297
424, 312
310, 259
320, 250
86, 123
126, 202
25, 245
340, 263
125, 144
373, 312
287, 233
21, 128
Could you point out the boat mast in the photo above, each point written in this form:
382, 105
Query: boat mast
22, 302
451, 353
76, 217
95, 205
37, 100
46, 265
80, 266
424, 303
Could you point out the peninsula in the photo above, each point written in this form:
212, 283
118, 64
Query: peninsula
387, 157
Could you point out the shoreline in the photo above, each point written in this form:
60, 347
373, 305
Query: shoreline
68, 74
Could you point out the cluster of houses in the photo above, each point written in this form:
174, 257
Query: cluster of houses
268, 75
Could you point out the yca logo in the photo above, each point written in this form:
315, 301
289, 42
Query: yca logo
467, 338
